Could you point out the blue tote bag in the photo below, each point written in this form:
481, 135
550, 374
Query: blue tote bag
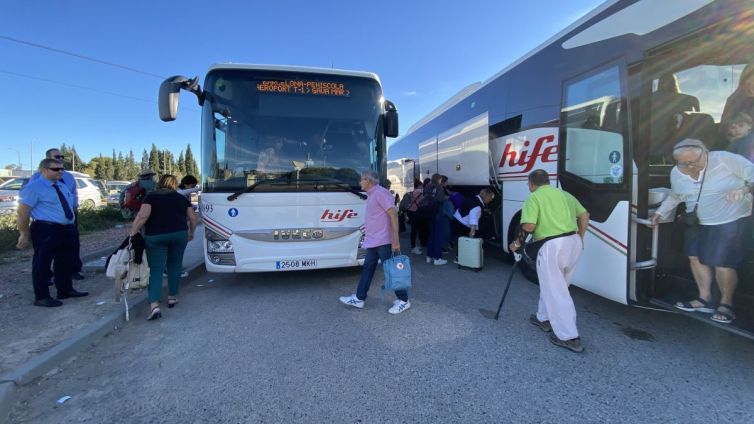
397, 273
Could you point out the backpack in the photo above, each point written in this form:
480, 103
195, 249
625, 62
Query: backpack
405, 202
427, 205
133, 196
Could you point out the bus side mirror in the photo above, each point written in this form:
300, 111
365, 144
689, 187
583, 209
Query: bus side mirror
391, 119
170, 91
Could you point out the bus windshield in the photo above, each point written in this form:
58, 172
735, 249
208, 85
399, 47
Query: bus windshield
288, 131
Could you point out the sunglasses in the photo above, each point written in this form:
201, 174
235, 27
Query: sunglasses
59, 156
56, 169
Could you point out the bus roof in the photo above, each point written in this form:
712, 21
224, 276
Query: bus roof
466, 92
304, 69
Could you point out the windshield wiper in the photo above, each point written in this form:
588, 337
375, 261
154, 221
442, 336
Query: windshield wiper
250, 188
340, 184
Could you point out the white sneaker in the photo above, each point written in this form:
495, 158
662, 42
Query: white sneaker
184, 274
429, 260
440, 261
416, 250
352, 300
399, 306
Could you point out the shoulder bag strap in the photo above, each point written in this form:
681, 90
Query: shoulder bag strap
704, 177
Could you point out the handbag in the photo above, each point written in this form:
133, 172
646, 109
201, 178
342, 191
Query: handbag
397, 273
122, 267
117, 264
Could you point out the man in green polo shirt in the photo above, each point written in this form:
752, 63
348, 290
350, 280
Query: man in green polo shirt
558, 223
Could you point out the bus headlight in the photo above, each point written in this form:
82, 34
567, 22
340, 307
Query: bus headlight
219, 246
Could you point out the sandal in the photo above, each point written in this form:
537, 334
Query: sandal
689, 307
723, 317
154, 313
172, 301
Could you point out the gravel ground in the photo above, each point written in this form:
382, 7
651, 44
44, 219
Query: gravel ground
28, 330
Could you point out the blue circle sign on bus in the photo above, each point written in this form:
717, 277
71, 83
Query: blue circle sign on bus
233, 212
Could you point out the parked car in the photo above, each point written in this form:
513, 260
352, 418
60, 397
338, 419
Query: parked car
114, 188
9, 194
90, 195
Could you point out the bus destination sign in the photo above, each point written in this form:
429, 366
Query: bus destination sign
309, 88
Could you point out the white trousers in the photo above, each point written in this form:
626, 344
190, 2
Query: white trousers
556, 263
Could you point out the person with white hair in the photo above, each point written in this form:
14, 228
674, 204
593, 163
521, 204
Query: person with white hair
716, 187
380, 241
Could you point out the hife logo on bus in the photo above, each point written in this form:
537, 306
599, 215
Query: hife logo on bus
526, 159
338, 216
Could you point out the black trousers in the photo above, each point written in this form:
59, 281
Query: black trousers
77, 265
52, 242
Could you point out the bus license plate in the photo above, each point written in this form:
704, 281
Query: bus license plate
296, 264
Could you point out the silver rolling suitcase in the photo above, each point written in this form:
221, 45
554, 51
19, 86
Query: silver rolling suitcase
470, 253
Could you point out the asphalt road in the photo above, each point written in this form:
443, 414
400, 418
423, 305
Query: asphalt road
279, 347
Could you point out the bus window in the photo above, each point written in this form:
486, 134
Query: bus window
592, 115
689, 103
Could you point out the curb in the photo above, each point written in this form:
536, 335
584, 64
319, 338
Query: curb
40, 365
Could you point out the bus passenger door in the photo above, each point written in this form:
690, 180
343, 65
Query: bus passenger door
595, 166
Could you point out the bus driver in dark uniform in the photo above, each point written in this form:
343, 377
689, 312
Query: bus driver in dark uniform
52, 233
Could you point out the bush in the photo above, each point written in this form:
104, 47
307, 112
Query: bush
8, 232
89, 220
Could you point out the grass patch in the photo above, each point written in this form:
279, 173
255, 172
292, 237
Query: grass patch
90, 220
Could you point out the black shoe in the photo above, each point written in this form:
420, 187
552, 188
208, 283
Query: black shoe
77, 276
73, 293
48, 302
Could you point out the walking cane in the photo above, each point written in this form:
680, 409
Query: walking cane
517, 257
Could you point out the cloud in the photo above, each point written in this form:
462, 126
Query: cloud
409, 93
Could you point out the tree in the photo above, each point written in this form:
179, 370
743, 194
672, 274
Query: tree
72, 160
181, 164
103, 168
191, 167
120, 172
131, 170
154, 160
144, 161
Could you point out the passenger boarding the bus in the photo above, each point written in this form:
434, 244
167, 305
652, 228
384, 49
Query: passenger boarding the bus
466, 218
381, 241
716, 187
739, 135
557, 222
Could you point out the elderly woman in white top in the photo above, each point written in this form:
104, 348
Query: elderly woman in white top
725, 180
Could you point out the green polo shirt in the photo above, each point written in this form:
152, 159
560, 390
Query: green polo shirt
552, 210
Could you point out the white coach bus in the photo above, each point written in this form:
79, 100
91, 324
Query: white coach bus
599, 107
282, 153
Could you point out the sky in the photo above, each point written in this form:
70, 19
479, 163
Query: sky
58, 90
